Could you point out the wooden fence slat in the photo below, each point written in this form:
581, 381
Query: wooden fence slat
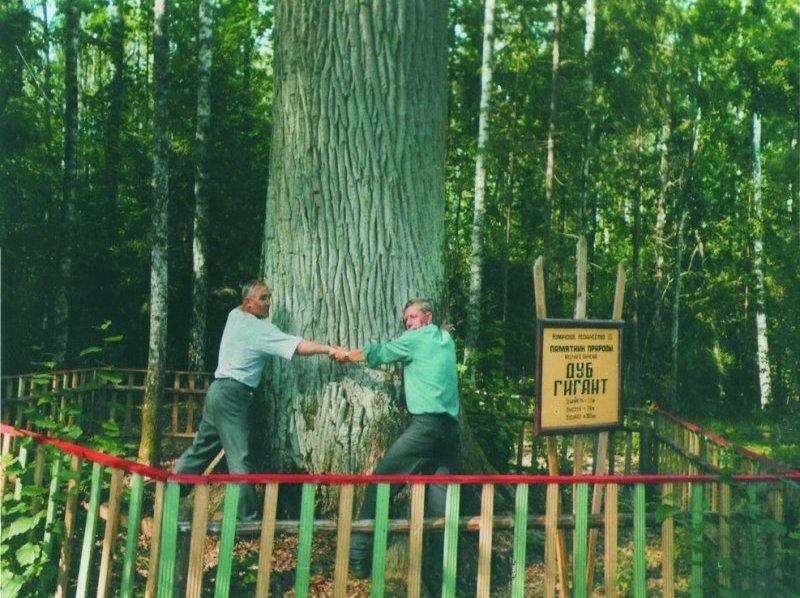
485, 542
169, 536
267, 540
89, 529
450, 558
697, 540
380, 537
222, 587
69, 528
5, 450
668, 544
415, 540
306, 536
724, 532
343, 541
581, 533
639, 541
777, 516
197, 543
110, 536
132, 535
155, 541
55, 474
520, 540
610, 523
22, 459
550, 538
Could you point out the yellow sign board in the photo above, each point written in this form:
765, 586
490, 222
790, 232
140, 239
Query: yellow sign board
578, 375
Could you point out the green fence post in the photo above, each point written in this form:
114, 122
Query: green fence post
639, 540
228, 534
379, 542
581, 533
697, 540
88, 532
132, 535
520, 538
451, 541
304, 544
169, 534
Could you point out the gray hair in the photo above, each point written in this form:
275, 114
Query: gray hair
424, 305
248, 287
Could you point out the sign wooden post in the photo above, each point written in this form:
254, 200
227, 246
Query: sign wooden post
579, 385
552, 454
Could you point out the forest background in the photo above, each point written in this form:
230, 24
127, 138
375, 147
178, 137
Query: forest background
667, 133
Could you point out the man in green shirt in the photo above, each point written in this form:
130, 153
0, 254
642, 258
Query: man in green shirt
430, 443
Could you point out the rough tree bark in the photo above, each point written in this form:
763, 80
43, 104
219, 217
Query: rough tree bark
764, 378
197, 340
479, 199
661, 206
354, 214
156, 360
72, 19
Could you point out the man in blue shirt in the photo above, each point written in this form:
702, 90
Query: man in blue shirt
430, 443
247, 341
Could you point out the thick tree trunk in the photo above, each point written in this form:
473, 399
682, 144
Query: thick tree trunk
549, 174
62, 303
479, 203
156, 360
354, 213
197, 340
764, 378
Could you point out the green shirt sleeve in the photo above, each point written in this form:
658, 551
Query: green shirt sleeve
398, 349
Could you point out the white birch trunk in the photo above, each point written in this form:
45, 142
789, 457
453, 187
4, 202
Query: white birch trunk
479, 204
661, 206
549, 174
156, 359
354, 213
588, 215
764, 380
197, 335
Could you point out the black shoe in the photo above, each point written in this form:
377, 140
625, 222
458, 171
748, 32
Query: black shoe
360, 569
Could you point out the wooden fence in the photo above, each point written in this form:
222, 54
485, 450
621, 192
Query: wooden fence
668, 534
91, 396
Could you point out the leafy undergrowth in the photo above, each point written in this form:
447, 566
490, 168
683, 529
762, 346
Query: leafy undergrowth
774, 436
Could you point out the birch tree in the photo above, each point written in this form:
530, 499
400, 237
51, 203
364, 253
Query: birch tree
588, 212
156, 359
549, 174
762, 344
479, 205
354, 213
197, 341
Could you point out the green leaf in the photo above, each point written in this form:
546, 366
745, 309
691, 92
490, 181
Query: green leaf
110, 378
28, 554
90, 351
104, 326
20, 526
41, 379
10, 583
114, 339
